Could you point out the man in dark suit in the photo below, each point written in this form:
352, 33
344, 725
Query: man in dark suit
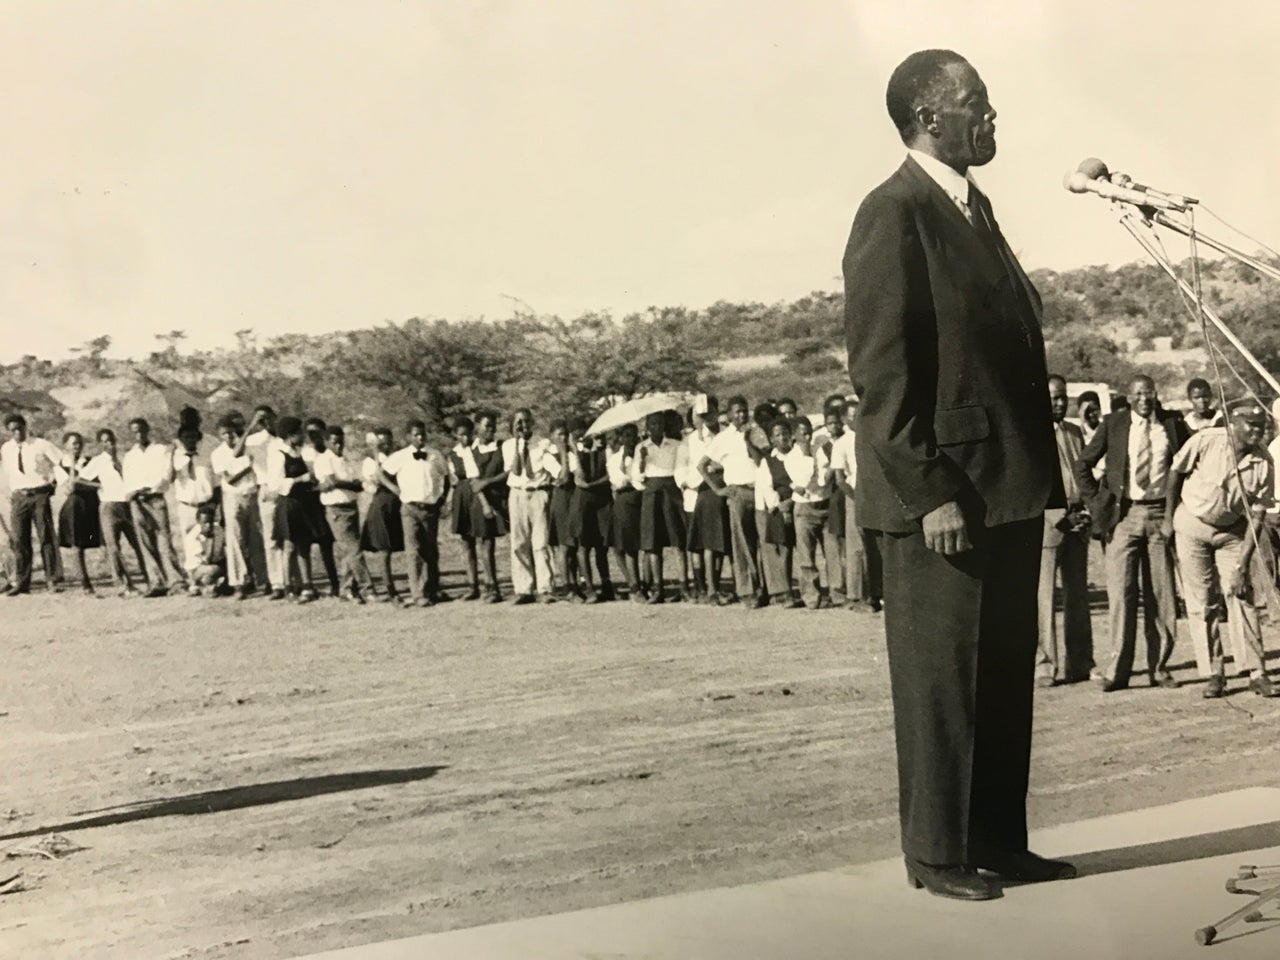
1129, 512
956, 463
1069, 658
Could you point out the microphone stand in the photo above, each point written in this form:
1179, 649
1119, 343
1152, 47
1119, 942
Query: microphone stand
1140, 228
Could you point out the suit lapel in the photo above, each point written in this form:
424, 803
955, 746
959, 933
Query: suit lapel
951, 222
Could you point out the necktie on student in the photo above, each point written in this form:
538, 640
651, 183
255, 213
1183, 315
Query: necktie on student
21, 468
1142, 459
526, 462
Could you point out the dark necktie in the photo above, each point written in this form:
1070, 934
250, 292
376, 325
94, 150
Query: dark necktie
419, 455
21, 468
1142, 460
984, 222
526, 463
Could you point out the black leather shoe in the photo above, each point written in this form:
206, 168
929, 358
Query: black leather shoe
1215, 688
954, 882
1023, 866
1262, 686
1164, 679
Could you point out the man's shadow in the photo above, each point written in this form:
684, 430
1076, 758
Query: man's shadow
1202, 846
233, 798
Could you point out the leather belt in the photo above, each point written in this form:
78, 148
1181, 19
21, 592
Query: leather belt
35, 491
1146, 503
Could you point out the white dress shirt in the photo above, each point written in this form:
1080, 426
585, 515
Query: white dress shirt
617, 463
329, 465
423, 479
467, 455
542, 458
150, 469
192, 481
226, 464
799, 470
1155, 488
40, 460
109, 479
728, 450
844, 457
695, 448
955, 185
656, 461
257, 447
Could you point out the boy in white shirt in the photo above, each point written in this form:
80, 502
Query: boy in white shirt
531, 470
421, 477
106, 473
148, 473
784, 471
340, 486
206, 563
239, 484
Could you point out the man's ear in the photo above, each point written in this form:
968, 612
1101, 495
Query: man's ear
927, 119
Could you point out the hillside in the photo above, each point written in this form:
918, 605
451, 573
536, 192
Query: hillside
1101, 324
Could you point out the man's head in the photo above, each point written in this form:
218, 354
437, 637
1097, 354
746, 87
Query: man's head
385, 440
189, 439
1058, 397
1142, 395
416, 432
739, 412
939, 105
464, 430
655, 424
787, 408
74, 444
802, 430
833, 416
1248, 425
291, 430
264, 415
230, 428
780, 434
522, 423
141, 431
107, 441
15, 424
1201, 396
337, 440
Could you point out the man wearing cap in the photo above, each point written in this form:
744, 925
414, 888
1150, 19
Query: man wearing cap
1220, 484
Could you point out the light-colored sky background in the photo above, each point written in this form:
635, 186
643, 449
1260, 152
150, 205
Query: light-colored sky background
208, 165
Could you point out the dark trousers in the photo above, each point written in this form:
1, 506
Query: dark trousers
344, 521
155, 536
29, 509
117, 522
961, 636
422, 540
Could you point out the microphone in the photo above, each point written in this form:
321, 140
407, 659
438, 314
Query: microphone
1124, 180
1080, 181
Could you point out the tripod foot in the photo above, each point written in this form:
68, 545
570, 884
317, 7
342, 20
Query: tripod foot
1205, 935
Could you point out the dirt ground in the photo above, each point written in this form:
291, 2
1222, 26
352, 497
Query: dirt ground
259, 780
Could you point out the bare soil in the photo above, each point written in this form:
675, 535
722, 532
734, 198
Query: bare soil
260, 780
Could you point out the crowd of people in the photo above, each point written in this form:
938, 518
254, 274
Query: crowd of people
1170, 498
762, 489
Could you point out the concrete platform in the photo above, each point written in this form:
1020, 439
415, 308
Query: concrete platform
1148, 880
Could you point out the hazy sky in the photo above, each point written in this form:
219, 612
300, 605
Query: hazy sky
313, 166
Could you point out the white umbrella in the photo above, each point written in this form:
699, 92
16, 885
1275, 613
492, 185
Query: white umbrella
638, 408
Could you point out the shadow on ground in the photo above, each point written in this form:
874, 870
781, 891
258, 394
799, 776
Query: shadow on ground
234, 798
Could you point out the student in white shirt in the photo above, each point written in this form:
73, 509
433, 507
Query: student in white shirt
812, 502
234, 473
340, 486
781, 472
560, 536
148, 473
421, 477
79, 528
624, 530
317, 431
531, 471
710, 539
206, 562
298, 523
257, 443
383, 531
862, 555
591, 513
730, 469
489, 500
661, 507
114, 516
30, 464
192, 489
833, 536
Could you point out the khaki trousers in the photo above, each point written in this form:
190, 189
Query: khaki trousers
530, 555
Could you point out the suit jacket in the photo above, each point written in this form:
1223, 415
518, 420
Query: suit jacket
947, 356
1111, 441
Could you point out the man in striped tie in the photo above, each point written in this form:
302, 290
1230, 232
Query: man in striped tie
1128, 507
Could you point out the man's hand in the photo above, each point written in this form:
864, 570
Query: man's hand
1236, 583
944, 530
1166, 527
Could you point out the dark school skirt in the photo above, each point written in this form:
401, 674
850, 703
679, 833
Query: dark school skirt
625, 526
709, 527
78, 523
662, 515
299, 519
462, 496
559, 528
590, 518
383, 531
491, 527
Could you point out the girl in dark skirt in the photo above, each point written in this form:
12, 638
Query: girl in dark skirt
299, 521
559, 534
462, 465
624, 529
79, 528
489, 499
383, 531
777, 546
661, 507
709, 536
591, 516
